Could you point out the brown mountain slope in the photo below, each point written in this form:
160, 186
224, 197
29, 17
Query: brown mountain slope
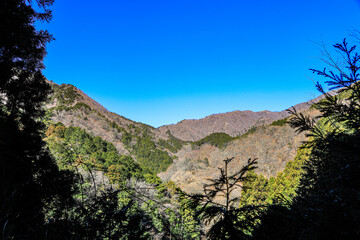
73, 107
233, 123
66, 95
273, 146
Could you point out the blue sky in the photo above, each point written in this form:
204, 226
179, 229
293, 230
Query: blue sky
159, 62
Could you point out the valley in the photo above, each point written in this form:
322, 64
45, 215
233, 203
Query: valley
71, 169
177, 152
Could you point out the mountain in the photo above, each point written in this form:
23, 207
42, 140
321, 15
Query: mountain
273, 146
233, 123
150, 147
170, 151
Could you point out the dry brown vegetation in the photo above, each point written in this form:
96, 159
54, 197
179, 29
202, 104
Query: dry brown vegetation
274, 146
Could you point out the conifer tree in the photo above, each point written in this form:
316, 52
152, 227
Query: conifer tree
327, 203
29, 177
218, 207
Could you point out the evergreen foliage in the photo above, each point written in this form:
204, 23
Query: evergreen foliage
315, 197
37, 200
173, 144
139, 141
31, 183
327, 201
149, 156
79, 151
250, 131
77, 106
258, 190
71, 144
215, 139
65, 94
224, 219
280, 122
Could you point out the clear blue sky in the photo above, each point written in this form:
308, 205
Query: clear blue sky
159, 62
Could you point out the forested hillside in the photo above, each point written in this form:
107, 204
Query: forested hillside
144, 153
274, 184
274, 144
70, 169
102, 170
144, 143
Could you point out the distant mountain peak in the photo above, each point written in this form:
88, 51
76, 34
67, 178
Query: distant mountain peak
237, 122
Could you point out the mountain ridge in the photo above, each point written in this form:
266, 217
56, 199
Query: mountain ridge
234, 123
167, 155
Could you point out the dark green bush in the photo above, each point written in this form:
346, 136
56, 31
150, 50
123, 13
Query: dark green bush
280, 122
215, 139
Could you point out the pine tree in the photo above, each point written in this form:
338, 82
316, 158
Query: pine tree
327, 202
30, 179
217, 207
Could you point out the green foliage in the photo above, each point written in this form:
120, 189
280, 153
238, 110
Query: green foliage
31, 182
225, 220
140, 129
250, 131
77, 106
149, 156
140, 143
326, 202
127, 138
280, 122
255, 190
184, 222
72, 144
74, 148
258, 190
346, 93
81, 105
283, 188
215, 139
177, 143
165, 144
173, 144
65, 94
117, 127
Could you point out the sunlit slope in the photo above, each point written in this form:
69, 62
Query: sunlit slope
147, 145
